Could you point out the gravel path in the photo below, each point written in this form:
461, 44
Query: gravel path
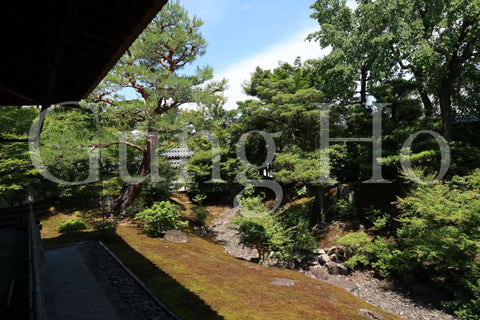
95, 286
408, 303
135, 302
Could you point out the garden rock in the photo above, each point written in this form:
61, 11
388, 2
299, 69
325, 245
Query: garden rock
323, 259
319, 252
332, 267
319, 272
334, 258
342, 269
283, 282
370, 314
331, 251
176, 236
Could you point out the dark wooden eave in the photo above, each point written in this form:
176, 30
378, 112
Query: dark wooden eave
57, 51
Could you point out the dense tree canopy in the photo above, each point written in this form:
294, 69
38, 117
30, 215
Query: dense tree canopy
434, 44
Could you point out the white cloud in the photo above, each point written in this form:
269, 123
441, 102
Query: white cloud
285, 51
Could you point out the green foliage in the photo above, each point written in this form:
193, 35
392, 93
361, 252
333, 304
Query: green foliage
201, 215
105, 229
286, 234
72, 226
160, 218
295, 220
351, 242
17, 175
260, 233
377, 218
381, 222
439, 225
383, 41
439, 236
344, 209
152, 68
137, 206
66, 135
199, 198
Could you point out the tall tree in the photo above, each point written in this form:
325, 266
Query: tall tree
433, 43
358, 48
286, 102
151, 68
438, 42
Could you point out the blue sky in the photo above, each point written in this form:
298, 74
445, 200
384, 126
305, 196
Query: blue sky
243, 34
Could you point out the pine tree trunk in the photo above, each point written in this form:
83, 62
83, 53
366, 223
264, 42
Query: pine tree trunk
317, 211
131, 191
128, 195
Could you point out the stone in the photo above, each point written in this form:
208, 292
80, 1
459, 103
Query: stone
334, 258
319, 272
297, 257
323, 259
202, 231
372, 315
319, 251
340, 252
283, 282
331, 251
343, 270
176, 236
332, 267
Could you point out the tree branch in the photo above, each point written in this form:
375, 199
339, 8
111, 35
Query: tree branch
101, 146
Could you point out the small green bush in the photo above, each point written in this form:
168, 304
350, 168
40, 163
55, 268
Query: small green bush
353, 241
201, 215
138, 205
199, 198
286, 234
344, 209
72, 226
257, 228
160, 218
105, 229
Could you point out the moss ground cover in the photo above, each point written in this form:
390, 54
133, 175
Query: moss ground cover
199, 280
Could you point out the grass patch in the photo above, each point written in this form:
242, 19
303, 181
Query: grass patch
198, 280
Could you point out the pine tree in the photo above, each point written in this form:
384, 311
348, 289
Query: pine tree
151, 68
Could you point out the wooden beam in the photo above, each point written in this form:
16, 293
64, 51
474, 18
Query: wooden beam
66, 29
16, 94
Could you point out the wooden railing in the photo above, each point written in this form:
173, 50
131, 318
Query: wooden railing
41, 305
19, 215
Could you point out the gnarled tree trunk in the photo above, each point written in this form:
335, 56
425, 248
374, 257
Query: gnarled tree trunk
131, 191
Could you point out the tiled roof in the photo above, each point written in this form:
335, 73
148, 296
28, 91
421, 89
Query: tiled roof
177, 163
177, 153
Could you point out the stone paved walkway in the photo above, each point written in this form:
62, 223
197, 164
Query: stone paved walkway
76, 294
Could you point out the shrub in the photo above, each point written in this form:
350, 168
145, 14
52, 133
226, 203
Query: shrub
353, 241
344, 209
286, 234
439, 236
160, 218
199, 198
201, 215
137, 206
439, 233
72, 226
105, 229
257, 227
295, 220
